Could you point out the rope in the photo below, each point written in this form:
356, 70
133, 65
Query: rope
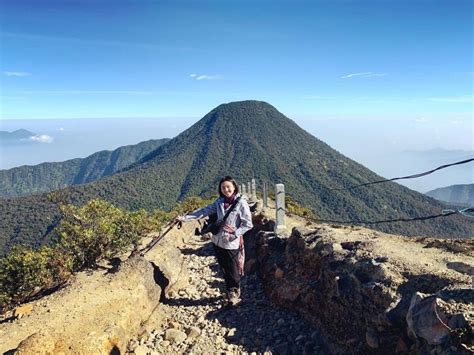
406, 177
445, 213
467, 212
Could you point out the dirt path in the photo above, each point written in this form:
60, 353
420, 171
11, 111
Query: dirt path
197, 320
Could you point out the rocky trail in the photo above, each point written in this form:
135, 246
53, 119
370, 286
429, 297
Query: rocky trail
320, 289
197, 319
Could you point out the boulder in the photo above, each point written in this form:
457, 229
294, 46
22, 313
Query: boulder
97, 314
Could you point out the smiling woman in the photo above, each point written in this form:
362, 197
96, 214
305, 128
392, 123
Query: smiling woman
233, 221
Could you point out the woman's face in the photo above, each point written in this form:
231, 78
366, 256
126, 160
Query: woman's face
227, 188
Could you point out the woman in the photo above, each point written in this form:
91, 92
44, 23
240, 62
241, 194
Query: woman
228, 242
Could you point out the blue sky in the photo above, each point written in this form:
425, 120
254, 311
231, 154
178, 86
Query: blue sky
370, 78
76, 58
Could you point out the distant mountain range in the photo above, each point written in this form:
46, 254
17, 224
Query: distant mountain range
16, 135
411, 162
46, 177
456, 194
243, 139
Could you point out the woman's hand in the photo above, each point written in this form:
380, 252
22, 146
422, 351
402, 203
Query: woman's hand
181, 218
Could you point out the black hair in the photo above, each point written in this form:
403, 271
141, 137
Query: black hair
228, 178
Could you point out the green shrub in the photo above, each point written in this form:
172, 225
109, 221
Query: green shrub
25, 272
85, 235
89, 232
295, 208
99, 230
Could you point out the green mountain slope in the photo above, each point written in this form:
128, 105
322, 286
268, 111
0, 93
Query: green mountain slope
46, 177
455, 194
246, 139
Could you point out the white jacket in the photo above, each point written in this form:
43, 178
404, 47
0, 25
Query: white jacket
240, 219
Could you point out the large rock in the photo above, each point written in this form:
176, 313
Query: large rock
171, 270
357, 286
97, 314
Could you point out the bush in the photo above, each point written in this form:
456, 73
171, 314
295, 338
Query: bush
99, 230
24, 272
296, 209
85, 235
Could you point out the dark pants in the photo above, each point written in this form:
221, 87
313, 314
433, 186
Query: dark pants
228, 260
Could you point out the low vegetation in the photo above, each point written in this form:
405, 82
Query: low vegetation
295, 208
84, 236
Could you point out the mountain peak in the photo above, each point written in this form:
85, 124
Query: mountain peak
246, 104
246, 117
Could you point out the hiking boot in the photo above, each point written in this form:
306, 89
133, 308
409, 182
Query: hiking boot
233, 297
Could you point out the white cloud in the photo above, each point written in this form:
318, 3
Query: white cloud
43, 138
422, 120
367, 74
460, 99
16, 73
456, 122
205, 77
61, 129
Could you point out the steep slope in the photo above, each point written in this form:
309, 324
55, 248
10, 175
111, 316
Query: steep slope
46, 177
247, 139
455, 194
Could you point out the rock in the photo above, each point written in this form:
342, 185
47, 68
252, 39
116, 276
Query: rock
424, 319
141, 350
461, 267
175, 336
173, 271
193, 332
112, 306
41, 342
23, 310
350, 245
174, 325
